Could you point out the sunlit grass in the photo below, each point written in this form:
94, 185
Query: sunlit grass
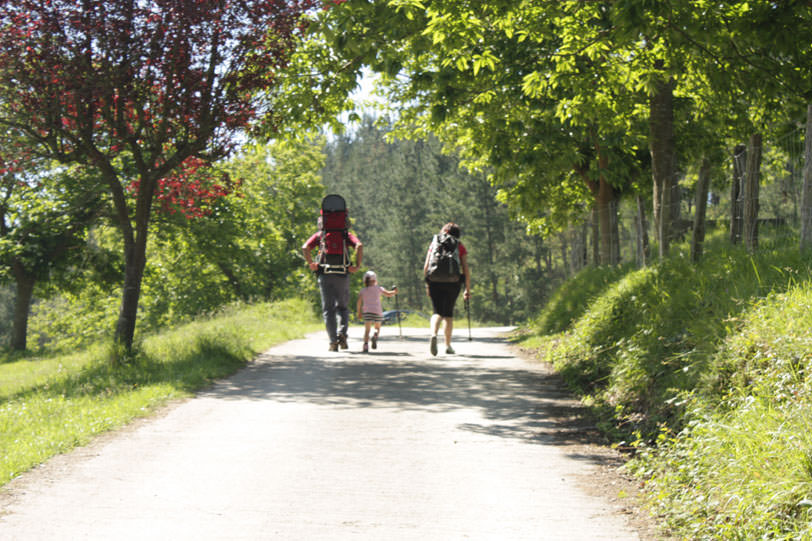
704, 369
50, 405
742, 469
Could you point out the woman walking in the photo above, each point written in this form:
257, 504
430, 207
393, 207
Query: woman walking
446, 271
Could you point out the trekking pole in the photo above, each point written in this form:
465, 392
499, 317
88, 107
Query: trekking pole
397, 314
468, 312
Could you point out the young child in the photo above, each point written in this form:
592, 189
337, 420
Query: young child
370, 309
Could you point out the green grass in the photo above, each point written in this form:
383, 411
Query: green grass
704, 369
642, 338
50, 405
742, 468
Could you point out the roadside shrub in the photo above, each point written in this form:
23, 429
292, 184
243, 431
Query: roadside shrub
742, 468
573, 298
638, 345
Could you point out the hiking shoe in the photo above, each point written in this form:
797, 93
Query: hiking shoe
333, 346
433, 345
366, 347
449, 350
342, 341
375, 341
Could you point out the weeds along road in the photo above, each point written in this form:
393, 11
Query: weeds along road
305, 444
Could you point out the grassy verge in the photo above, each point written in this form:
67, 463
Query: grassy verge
50, 405
702, 370
742, 467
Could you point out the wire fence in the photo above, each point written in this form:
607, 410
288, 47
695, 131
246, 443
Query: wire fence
780, 187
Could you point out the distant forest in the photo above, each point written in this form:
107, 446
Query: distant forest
400, 193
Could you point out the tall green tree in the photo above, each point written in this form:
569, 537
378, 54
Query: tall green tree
248, 245
507, 85
559, 98
44, 217
157, 84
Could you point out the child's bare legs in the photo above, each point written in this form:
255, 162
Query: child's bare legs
367, 327
375, 336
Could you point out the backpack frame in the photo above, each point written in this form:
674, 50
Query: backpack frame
334, 257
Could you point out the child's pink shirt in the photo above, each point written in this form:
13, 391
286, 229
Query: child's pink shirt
371, 300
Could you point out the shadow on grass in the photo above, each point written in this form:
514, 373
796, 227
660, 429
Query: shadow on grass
188, 371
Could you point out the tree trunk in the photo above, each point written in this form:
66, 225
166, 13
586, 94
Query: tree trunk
656, 201
135, 259
602, 222
676, 205
489, 234
661, 143
548, 260
564, 250
596, 233
577, 248
702, 186
642, 233
134, 263
750, 193
614, 218
806, 191
604, 207
584, 255
538, 256
739, 159
22, 306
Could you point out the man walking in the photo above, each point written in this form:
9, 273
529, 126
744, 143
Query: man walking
334, 279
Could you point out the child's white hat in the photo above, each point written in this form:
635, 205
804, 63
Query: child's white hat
370, 274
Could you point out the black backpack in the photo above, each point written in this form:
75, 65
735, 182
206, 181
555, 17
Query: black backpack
444, 261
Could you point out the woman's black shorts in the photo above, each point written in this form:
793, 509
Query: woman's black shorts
444, 297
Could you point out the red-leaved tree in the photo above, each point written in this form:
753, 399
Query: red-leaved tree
150, 86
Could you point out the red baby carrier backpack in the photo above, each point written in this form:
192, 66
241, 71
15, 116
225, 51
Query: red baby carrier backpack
334, 257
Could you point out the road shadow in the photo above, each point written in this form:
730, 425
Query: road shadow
459, 337
528, 405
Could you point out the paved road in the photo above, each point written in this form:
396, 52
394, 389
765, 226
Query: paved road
307, 445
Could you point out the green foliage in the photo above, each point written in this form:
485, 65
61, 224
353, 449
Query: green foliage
247, 248
742, 469
6, 312
769, 354
45, 214
549, 96
703, 369
400, 193
646, 339
74, 318
573, 298
51, 404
